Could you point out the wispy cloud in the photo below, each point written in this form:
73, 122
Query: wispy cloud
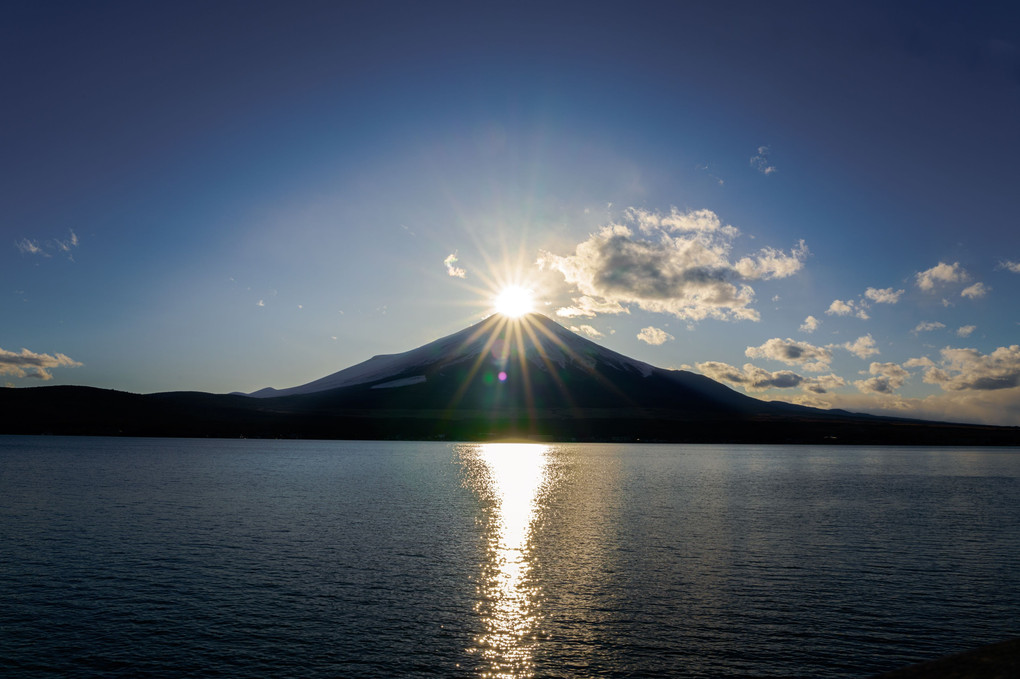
30, 364
654, 336
676, 263
975, 291
451, 266
1010, 266
761, 162
587, 330
27, 246
966, 330
928, 326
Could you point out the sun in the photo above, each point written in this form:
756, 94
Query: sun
514, 301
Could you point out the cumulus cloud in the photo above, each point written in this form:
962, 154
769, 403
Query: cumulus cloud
975, 291
753, 378
940, 273
654, 336
862, 347
791, 352
678, 263
927, 326
587, 330
761, 161
30, 364
883, 295
966, 330
810, 324
840, 308
1010, 265
451, 266
970, 370
887, 378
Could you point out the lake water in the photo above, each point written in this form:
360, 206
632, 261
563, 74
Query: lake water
176, 558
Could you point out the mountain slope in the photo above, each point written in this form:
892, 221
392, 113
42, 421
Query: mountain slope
499, 378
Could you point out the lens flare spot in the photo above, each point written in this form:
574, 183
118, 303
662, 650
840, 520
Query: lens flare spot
502, 376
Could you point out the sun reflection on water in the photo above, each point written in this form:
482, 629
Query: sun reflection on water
508, 478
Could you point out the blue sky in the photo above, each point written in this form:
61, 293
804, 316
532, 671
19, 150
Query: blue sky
813, 202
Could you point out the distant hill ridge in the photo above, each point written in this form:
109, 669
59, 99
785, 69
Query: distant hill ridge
528, 377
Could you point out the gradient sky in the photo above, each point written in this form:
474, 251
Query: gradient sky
813, 202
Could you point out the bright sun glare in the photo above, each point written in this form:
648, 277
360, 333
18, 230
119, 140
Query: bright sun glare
514, 301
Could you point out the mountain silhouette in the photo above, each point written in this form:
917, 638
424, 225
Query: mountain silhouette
524, 378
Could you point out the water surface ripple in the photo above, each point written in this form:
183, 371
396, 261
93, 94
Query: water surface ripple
178, 558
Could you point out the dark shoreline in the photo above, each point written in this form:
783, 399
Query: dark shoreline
85, 411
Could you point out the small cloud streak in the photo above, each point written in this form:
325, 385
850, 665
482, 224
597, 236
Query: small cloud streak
587, 330
975, 291
761, 161
451, 266
966, 330
654, 336
883, 295
30, 364
928, 326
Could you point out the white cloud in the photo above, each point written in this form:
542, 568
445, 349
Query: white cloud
927, 326
588, 307
30, 364
810, 324
451, 266
676, 221
970, 370
792, 352
773, 263
677, 264
753, 378
761, 161
840, 308
1012, 266
862, 347
888, 377
883, 295
654, 336
974, 291
587, 330
261, 302
940, 273
966, 330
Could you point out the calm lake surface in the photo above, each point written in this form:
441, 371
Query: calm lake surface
171, 558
